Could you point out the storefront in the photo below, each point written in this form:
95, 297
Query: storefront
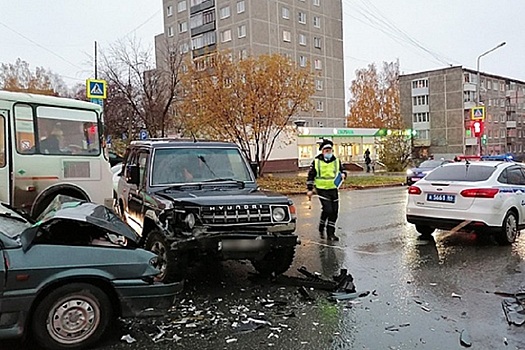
349, 144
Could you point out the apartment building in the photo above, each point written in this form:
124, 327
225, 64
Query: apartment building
437, 105
308, 31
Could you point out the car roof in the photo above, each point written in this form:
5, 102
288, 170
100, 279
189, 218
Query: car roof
488, 163
182, 143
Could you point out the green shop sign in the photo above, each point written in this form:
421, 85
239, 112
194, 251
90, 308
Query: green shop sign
345, 132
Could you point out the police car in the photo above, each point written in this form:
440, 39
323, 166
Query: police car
485, 197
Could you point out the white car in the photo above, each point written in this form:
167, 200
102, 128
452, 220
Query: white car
480, 196
115, 170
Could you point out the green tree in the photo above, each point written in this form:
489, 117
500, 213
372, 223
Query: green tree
395, 150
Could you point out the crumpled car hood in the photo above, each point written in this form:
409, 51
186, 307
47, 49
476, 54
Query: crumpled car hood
68, 208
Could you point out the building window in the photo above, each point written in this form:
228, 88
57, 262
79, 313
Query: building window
420, 83
226, 35
184, 48
183, 27
287, 36
243, 54
181, 6
317, 2
170, 31
420, 100
286, 13
317, 22
502, 133
225, 12
240, 6
318, 64
423, 134
317, 43
241, 31
302, 17
319, 85
319, 106
302, 61
169, 11
469, 96
421, 117
209, 38
302, 39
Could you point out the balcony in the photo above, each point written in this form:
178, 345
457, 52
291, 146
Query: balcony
511, 124
208, 27
204, 50
469, 87
421, 142
202, 6
471, 141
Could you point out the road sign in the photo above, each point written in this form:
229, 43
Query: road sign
143, 134
96, 88
477, 113
98, 101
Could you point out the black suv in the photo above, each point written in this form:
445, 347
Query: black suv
188, 199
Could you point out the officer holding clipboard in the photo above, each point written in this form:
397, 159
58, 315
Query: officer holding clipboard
326, 175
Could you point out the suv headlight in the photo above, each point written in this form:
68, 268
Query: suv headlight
278, 214
190, 221
409, 172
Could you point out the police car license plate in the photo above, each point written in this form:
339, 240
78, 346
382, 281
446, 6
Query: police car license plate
440, 197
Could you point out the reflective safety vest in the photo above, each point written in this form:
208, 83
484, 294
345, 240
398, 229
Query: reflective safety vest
326, 174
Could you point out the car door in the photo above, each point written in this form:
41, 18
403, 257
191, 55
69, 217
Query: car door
5, 185
516, 179
138, 192
127, 191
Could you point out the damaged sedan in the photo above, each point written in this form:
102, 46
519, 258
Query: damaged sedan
65, 277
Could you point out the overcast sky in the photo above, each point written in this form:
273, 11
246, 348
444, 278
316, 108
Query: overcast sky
423, 34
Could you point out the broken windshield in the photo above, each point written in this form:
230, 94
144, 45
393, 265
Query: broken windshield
187, 166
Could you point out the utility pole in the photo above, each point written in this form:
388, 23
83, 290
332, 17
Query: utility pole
478, 88
96, 77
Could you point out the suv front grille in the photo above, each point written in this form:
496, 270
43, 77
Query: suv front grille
236, 214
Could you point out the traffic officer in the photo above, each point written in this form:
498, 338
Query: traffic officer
322, 175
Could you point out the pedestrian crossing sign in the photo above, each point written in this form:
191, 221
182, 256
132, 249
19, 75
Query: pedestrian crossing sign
477, 113
96, 88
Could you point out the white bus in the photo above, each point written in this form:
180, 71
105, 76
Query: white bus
50, 146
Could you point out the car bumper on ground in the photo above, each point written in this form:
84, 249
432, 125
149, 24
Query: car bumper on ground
238, 245
142, 299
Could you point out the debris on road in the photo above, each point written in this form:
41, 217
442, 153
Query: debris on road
305, 294
424, 308
464, 339
231, 340
159, 335
454, 295
514, 310
128, 339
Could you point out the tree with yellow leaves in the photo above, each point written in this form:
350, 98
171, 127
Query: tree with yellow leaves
19, 77
250, 102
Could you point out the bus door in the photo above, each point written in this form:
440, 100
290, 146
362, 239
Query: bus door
5, 188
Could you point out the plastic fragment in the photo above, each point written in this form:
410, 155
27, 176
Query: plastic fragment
464, 339
454, 295
128, 339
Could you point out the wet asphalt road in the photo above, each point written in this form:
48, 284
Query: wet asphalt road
413, 280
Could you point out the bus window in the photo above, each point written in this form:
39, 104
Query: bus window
25, 132
68, 131
2, 141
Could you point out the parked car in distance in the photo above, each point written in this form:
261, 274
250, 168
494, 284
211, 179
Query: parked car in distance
417, 173
487, 197
67, 276
190, 199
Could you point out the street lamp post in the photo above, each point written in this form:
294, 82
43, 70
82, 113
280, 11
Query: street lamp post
478, 84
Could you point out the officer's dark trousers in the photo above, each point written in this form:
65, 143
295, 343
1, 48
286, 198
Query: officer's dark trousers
330, 210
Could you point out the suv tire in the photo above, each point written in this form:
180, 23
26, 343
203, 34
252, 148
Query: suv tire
172, 264
276, 261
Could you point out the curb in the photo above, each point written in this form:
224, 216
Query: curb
346, 188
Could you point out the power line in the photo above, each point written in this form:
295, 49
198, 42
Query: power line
143, 23
41, 46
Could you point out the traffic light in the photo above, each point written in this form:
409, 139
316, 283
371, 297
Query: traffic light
477, 127
484, 139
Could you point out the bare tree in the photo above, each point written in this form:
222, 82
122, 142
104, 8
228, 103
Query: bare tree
148, 90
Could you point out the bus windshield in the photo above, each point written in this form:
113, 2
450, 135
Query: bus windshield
59, 130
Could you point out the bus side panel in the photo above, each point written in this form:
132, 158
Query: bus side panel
5, 186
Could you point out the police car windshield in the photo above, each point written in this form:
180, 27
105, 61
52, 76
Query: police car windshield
461, 172
197, 165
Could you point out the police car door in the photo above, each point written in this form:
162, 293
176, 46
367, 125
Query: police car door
516, 179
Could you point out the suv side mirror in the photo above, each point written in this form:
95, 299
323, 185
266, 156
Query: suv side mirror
255, 169
134, 175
